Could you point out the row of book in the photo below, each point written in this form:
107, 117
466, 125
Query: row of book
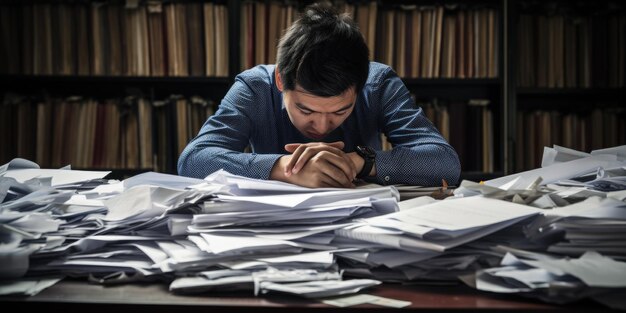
417, 41
262, 25
191, 38
583, 131
438, 42
572, 51
136, 133
468, 126
109, 38
129, 133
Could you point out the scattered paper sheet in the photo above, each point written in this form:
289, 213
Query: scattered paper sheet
59, 177
364, 298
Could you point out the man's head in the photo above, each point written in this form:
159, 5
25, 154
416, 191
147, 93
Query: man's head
322, 64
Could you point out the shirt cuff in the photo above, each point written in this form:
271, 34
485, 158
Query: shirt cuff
261, 165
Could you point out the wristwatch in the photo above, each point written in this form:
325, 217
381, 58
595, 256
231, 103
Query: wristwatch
369, 155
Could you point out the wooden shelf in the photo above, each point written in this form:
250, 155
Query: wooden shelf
116, 86
494, 82
576, 99
108, 78
571, 92
456, 88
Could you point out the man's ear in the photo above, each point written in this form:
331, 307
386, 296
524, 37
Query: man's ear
277, 78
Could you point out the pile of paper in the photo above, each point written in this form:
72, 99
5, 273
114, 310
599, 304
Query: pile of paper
157, 225
538, 233
553, 279
575, 248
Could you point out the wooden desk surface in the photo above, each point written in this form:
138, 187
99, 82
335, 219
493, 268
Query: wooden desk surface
80, 296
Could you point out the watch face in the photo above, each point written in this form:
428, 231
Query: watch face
366, 152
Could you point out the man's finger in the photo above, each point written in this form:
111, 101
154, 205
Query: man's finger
337, 144
342, 168
336, 176
311, 152
291, 147
295, 156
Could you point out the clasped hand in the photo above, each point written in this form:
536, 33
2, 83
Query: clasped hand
318, 164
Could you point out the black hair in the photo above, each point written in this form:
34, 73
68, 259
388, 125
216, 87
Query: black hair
324, 52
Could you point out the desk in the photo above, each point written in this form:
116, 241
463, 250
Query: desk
79, 296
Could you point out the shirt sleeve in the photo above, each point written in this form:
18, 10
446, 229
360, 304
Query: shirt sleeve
420, 155
221, 141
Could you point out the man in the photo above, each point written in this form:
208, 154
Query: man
315, 118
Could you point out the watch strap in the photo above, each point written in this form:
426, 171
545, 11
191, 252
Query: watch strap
369, 157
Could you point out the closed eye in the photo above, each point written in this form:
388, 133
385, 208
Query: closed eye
306, 112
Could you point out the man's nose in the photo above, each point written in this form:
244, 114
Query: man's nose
322, 124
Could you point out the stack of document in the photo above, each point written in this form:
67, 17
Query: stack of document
158, 225
301, 282
561, 165
553, 279
525, 233
428, 239
575, 248
595, 224
35, 205
441, 225
272, 224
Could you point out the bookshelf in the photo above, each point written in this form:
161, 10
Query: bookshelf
566, 77
145, 70
469, 64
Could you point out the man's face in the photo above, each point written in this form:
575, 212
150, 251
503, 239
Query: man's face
314, 116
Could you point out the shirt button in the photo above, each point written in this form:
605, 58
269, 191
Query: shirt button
387, 178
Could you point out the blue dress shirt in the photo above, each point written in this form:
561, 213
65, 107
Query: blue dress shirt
252, 114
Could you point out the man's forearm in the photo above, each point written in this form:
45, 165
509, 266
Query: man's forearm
278, 170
